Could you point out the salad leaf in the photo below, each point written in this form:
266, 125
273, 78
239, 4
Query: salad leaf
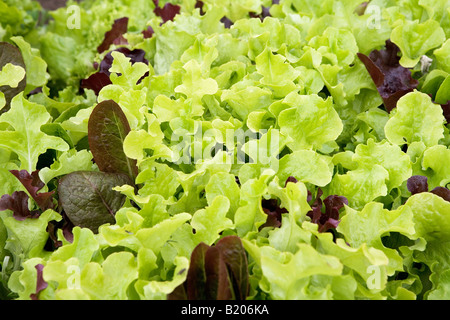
88, 199
36, 67
253, 150
107, 130
41, 283
27, 140
392, 79
167, 12
18, 204
415, 39
33, 184
417, 184
442, 55
216, 273
310, 120
118, 29
426, 126
372, 223
13, 79
330, 218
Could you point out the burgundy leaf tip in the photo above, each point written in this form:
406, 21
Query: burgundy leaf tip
391, 79
417, 184
168, 12
33, 184
41, 283
327, 218
115, 35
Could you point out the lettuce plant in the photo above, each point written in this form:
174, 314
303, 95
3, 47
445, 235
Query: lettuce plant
229, 150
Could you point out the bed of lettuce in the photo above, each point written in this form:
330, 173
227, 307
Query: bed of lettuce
353, 202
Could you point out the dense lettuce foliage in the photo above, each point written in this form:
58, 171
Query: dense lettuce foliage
119, 179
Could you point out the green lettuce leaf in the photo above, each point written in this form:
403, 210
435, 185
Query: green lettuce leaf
310, 121
373, 222
27, 140
415, 39
427, 124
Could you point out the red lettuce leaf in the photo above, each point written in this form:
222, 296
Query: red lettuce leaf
417, 184
33, 184
217, 272
88, 198
41, 284
446, 111
148, 33
199, 5
18, 204
218, 282
53, 243
233, 254
391, 79
265, 12
96, 82
273, 211
115, 35
442, 192
107, 128
168, 12
327, 218
196, 278
227, 22
101, 78
136, 55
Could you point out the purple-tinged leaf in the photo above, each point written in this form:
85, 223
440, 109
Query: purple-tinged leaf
119, 28
442, 192
199, 5
273, 211
327, 218
446, 111
52, 229
233, 254
265, 12
88, 198
11, 54
391, 79
67, 228
107, 129
168, 12
41, 284
417, 184
290, 179
330, 219
96, 82
18, 204
179, 293
218, 282
136, 55
196, 277
33, 184
217, 272
148, 33
227, 22
333, 204
101, 78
